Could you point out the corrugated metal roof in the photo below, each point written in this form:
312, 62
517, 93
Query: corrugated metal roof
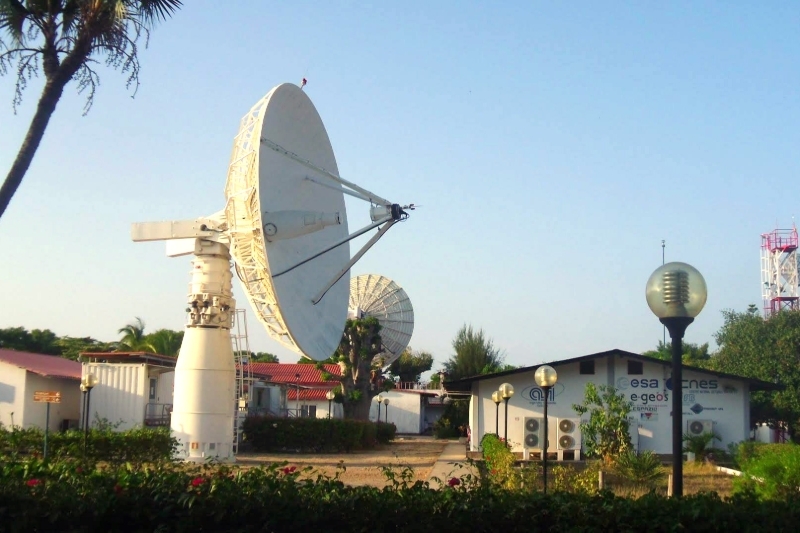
287, 372
131, 357
44, 365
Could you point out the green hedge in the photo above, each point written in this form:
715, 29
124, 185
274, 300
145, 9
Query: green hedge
267, 434
139, 445
770, 471
62, 497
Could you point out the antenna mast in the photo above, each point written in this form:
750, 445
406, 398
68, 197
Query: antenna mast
779, 278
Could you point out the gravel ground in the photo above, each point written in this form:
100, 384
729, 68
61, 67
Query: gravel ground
362, 467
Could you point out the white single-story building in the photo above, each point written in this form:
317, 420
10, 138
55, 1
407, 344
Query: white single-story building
412, 411
134, 389
22, 374
712, 401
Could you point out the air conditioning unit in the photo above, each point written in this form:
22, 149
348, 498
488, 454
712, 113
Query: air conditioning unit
533, 433
569, 433
695, 428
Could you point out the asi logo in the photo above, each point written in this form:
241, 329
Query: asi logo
536, 394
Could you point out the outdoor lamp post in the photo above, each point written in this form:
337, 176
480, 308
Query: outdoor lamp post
496, 399
506, 392
87, 384
330, 395
545, 376
297, 397
385, 410
379, 399
676, 293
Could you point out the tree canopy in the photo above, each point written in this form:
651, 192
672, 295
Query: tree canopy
64, 39
44, 341
410, 365
475, 354
766, 349
693, 354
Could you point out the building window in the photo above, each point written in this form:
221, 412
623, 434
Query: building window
635, 368
587, 367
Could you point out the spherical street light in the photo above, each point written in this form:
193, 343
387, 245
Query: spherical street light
496, 399
385, 410
545, 376
676, 293
330, 395
506, 392
379, 399
88, 382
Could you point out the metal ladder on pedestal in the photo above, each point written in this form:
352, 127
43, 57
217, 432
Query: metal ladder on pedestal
244, 373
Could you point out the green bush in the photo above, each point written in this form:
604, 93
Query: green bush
643, 470
698, 444
771, 472
62, 496
567, 478
138, 445
269, 434
385, 433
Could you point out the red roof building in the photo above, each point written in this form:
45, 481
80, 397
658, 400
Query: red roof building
50, 366
23, 375
305, 375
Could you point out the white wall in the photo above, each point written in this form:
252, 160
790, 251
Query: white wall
36, 412
12, 394
404, 411
17, 386
705, 397
120, 395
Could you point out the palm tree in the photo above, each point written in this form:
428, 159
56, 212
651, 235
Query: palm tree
133, 337
164, 342
64, 37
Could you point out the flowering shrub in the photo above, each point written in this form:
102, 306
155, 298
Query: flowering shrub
178, 497
499, 462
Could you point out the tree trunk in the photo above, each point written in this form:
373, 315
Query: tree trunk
51, 94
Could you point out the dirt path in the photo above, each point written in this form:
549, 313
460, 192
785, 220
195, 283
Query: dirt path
362, 467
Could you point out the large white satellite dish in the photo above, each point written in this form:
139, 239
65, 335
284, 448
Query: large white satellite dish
284, 225
376, 296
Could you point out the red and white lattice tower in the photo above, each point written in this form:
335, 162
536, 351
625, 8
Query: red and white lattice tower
779, 270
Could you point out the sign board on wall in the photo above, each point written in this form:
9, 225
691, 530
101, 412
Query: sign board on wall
47, 396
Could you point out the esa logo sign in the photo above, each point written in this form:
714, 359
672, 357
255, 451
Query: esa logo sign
643, 383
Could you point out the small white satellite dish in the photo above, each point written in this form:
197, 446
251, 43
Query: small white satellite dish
376, 296
285, 227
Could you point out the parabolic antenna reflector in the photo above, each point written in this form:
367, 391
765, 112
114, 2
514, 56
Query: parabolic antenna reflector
376, 296
282, 210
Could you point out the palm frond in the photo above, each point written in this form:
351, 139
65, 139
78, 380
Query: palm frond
13, 16
153, 11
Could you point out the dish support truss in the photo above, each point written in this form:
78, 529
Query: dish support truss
244, 226
779, 273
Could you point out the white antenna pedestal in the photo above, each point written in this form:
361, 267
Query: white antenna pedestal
204, 395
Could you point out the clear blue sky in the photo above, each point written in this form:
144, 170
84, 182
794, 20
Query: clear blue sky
552, 145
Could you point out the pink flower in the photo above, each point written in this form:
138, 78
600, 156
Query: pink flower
196, 482
33, 482
289, 470
454, 482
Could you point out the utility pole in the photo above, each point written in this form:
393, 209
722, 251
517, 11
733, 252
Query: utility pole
664, 333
